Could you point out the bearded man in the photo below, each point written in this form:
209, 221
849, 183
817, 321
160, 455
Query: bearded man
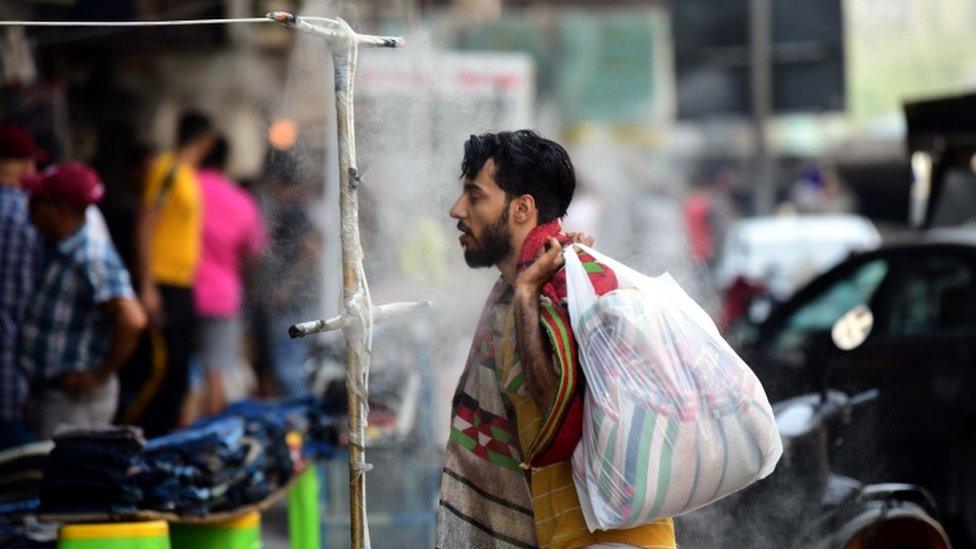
518, 409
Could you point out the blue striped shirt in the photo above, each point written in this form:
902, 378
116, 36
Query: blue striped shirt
66, 328
19, 258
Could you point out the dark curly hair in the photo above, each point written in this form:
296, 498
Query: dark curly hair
192, 126
525, 164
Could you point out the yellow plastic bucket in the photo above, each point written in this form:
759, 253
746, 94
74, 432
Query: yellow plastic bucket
243, 532
115, 535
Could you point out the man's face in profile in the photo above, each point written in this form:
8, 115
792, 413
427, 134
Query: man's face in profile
482, 214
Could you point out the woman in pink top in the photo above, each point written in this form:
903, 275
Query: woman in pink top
233, 236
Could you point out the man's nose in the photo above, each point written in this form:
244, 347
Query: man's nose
457, 211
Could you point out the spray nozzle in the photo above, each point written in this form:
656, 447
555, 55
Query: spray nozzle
281, 16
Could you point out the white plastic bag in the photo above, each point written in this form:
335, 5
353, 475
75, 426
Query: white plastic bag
673, 418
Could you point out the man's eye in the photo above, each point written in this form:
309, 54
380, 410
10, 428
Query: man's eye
472, 198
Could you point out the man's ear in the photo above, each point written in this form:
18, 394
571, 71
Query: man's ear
525, 210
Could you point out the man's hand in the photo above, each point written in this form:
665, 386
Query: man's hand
152, 302
541, 377
537, 274
581, 238
80, 384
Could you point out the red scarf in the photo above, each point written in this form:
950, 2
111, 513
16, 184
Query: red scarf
563, 424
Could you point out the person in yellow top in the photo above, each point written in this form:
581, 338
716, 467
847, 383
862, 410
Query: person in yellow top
168, 250
516, 415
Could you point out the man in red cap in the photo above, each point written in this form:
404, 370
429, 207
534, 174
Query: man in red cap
19, 249
83, 320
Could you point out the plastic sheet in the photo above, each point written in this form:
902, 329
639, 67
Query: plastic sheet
673, 419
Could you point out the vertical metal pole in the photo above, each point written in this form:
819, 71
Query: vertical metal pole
760, 38
353, 289
358, 314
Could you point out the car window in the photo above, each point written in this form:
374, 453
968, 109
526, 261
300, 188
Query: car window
932, 295
818, 314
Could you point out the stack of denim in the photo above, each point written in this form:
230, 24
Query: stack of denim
93, 472
21, 473
234, 459
218, 464
186, 471
310, 416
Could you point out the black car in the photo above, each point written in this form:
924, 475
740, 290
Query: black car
920, 354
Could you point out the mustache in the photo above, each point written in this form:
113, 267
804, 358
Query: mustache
463, 229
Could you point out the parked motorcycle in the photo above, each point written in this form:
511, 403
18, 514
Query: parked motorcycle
803, 503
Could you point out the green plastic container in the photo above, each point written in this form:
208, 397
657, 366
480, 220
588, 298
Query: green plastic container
115, 535
243, 532
304, 527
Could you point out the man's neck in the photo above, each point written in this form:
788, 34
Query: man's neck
68, 228
10, 178
509, 265
187, 156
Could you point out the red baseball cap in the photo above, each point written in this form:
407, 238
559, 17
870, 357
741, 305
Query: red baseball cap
72, 182
16, 142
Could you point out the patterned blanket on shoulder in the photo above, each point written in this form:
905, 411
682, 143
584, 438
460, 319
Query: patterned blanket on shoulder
485, 498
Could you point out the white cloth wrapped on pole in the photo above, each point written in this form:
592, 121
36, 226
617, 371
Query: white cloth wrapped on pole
673, 418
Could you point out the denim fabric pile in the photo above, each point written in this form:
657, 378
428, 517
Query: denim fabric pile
93, 471
21, 471
217, 464
234, 459
190, 470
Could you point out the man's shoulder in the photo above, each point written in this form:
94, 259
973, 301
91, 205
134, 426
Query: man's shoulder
161, 164
165, 166
13, 204
95, 249
100, 265
68, 268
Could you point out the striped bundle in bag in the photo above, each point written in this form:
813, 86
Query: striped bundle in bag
673, 418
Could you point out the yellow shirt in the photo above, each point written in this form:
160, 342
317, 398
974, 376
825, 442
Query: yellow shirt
559, 522
176, 235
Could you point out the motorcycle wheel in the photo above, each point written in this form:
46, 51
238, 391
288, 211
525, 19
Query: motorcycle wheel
893, 525
968, 508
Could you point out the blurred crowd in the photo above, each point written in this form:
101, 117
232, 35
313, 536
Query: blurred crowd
152, 300
755, 261
166, 292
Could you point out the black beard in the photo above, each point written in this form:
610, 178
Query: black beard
494, 244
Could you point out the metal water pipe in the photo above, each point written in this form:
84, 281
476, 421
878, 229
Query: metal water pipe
358, 316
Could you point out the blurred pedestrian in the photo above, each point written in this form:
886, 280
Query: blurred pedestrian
19, 258
819, 192
123, 202
168, 247
291, 276
233, 237
708, 215
83, 320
